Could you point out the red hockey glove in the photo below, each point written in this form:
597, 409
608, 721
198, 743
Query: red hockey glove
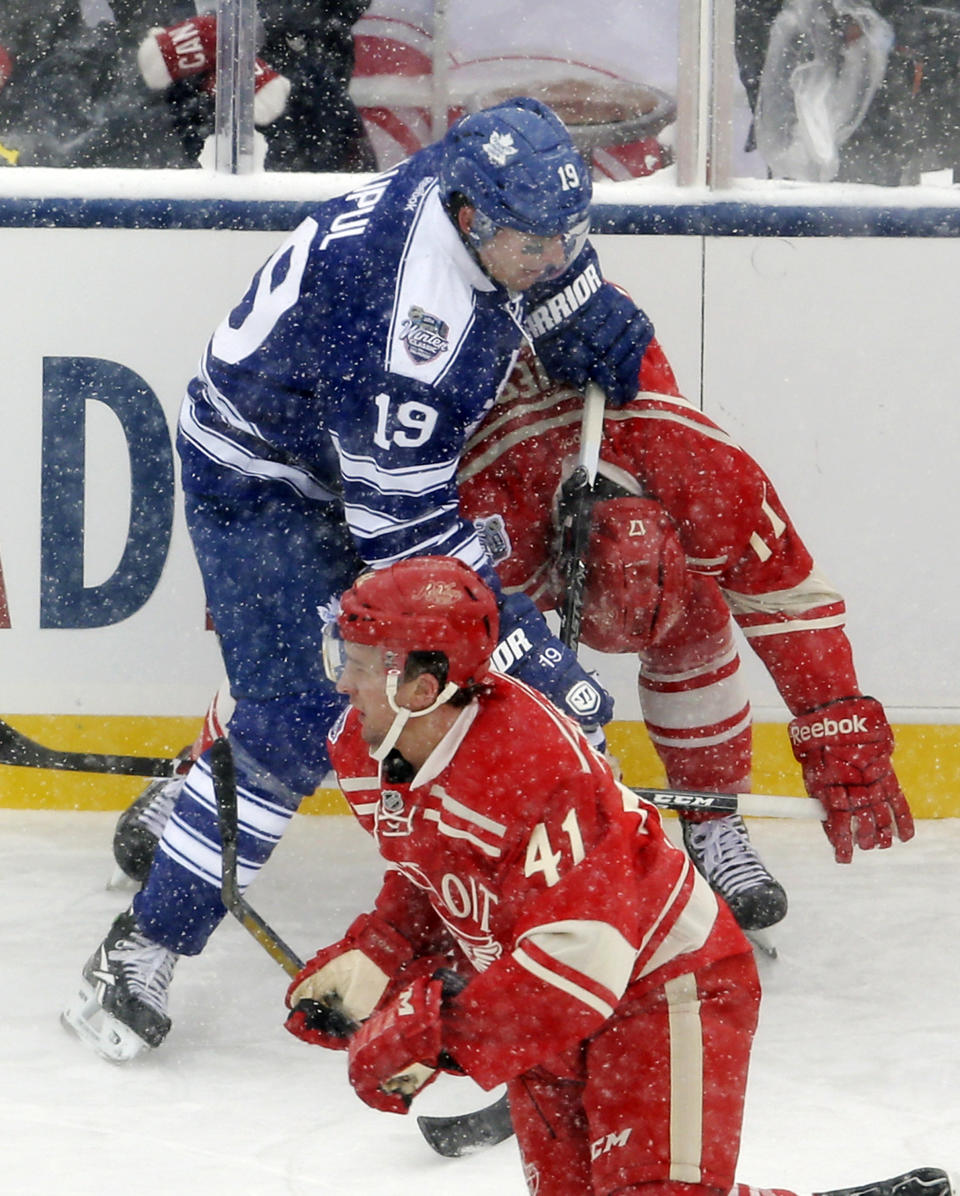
844, 749
189, 50
397, 1052
342, 984
6, 66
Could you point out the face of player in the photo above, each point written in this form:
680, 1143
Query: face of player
517, 260
363, 680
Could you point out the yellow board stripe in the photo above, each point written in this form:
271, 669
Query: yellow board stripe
927, 760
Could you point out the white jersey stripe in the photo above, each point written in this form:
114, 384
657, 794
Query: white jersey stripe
563, 984
459, 810
700, 741
595, 950
366, 522
697, 708
686, 1079
224, 451
794, 625
356, 784
711, 666
452, 832
420, 479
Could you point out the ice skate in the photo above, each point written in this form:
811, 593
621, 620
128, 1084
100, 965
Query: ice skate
139, 829
922, 1181
722, 851
120, 1005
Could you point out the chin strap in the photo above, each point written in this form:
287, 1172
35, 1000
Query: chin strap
403, 714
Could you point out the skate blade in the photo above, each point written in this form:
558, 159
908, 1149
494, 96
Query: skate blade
762, 941
121, 883
110, 1038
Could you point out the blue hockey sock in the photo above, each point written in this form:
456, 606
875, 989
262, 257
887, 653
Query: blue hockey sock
180, 904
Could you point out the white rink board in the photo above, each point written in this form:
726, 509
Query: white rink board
834, 360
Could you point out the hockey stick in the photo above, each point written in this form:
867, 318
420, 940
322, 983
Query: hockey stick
576, 509
466, 1133
225, 790
752, 805
18, 750
486, 1127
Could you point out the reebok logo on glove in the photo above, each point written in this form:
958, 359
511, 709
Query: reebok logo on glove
826, 727
845, 757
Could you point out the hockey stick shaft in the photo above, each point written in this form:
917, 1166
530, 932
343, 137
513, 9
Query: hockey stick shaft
752, 805
225, 790
576, 511
19, 751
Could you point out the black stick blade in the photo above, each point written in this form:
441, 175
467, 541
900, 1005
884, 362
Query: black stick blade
466, 1133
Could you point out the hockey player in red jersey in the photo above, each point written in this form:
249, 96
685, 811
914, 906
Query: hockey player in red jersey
688, 538
535, 927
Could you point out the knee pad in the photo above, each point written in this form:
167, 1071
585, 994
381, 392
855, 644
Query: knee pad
637, 581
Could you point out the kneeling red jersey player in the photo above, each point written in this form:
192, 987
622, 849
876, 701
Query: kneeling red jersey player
535, 925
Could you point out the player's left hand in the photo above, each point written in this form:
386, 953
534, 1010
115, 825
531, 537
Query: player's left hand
396, 1052
844, 749
603, 342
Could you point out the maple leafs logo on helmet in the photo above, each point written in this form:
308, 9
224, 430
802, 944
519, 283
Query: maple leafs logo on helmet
500, 148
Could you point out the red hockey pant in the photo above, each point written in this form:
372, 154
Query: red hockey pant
659, 1095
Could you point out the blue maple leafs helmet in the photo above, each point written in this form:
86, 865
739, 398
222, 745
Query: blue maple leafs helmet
517, 165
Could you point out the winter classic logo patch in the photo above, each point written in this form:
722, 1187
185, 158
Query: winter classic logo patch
494, 536
424, 335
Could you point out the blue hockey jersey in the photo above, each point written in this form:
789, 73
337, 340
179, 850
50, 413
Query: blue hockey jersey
363, 355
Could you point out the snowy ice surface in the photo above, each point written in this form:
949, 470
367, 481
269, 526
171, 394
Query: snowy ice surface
855, 1071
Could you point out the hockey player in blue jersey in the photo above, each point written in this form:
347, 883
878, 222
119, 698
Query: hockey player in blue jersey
321, 437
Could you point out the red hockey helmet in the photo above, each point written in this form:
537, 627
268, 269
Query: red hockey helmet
428, 604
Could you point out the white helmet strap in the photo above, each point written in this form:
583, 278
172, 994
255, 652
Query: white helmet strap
402, 714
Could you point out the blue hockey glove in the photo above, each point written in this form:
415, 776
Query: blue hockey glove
529, 650
589, 331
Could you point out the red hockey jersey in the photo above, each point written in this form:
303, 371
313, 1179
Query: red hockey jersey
726, 512
556, 883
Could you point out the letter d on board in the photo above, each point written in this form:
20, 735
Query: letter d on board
68, 384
